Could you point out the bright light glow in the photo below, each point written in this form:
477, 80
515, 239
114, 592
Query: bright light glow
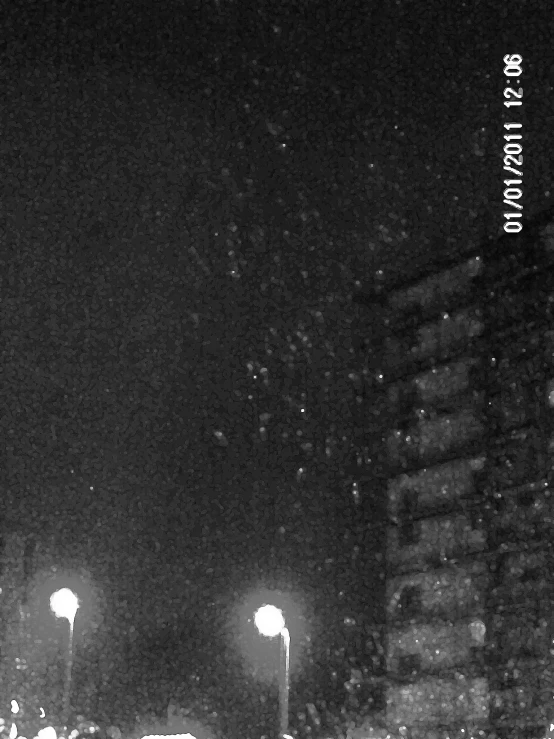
13, 731
15, 706
87, 727
169, 736
269, 620
478, 631
49, 732
64, 604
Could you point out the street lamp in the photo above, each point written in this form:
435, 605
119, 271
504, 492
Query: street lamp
64, 604
270, 622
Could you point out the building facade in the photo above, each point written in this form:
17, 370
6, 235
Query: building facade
456, 424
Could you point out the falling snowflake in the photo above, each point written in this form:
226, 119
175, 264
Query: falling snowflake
221, 438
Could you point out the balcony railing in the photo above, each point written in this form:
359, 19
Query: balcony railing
432, 438
435, 646
444, 388
438, 486
438, 291
448, 593
438, 701
431, 539
412, 350
497, 266
440, 340
456, 730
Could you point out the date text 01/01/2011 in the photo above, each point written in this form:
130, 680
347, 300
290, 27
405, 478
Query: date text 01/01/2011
513, 156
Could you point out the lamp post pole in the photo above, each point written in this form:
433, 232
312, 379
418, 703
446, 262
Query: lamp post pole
67, 680
64, 604
270, 622
284, 683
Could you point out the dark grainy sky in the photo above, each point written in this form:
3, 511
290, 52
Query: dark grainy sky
188, 194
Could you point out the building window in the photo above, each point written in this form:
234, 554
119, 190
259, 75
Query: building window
410, 602
408, 664
408, 533
409, 529
533, 573
379, 696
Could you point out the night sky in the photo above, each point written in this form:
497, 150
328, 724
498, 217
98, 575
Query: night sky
188, 195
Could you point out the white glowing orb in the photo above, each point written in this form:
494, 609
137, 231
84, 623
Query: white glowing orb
269, 620
13, 731
49, 732
15, 706
64, 604
169, 736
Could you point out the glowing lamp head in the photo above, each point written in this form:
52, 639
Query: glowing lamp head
64, 604
269, 620
48, 732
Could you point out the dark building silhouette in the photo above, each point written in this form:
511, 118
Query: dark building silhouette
456, 421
